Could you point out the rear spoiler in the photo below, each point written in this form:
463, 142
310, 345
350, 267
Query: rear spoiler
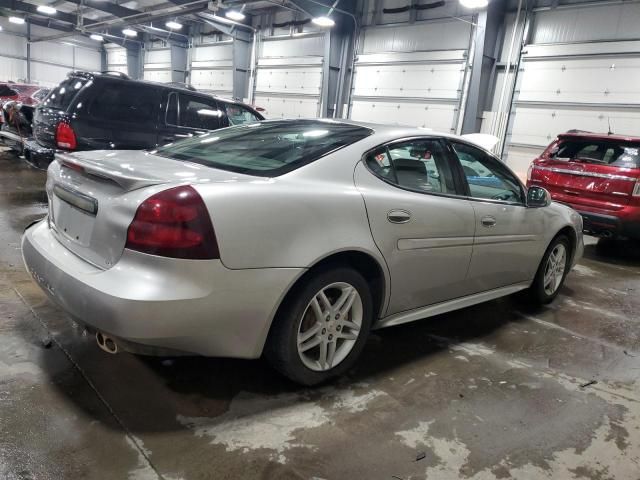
483, 140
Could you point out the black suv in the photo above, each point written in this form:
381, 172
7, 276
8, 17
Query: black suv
98, 111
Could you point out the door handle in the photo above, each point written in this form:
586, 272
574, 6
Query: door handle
488, 221
399, 216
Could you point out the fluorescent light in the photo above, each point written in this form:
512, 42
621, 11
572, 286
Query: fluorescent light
474, 3
47, 9
96, 37
323, 21
129, 33
235, 15
174, 25
16, 20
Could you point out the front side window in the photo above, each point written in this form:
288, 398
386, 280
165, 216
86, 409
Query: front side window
420, 165
603, 152
265, 148
124, 103
487, 178
238, 115
199, 113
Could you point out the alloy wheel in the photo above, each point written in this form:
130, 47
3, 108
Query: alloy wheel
330, 326
555, 268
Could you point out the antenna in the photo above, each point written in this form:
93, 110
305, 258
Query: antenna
609, 122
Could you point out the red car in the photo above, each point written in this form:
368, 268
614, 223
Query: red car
598, 175
23, 93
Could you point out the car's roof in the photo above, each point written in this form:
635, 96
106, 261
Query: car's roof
599, 136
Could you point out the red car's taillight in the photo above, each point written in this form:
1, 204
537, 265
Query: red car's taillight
636, 189
174, 223
530, 171
65, 136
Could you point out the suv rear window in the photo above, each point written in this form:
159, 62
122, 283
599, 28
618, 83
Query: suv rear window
61, 96
269, 148
5, 91
602, 152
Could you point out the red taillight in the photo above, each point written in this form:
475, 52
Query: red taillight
65, 136
173, 223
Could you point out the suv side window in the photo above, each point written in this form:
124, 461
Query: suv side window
200, 113
237, 114
124, 103
486, 177
420, 165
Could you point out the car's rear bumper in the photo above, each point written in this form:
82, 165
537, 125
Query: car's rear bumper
625, 223
192, 306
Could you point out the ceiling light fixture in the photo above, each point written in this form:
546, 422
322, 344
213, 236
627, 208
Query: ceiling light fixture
17, 20
96, 37
46, 9
474, 3
130, 33
173, 25
323, 21
235, 15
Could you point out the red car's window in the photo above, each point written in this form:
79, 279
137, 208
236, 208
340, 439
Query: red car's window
602, 152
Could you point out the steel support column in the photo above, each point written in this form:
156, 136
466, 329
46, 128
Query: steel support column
179, 56
135, 61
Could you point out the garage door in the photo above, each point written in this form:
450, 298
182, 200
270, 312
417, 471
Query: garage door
157, 65
400, 79
212, 68
289, 76
116, 58
565, 83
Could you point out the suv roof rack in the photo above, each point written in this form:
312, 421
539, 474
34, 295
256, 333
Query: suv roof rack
115, 73
188, 86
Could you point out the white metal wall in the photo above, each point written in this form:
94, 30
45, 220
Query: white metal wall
400, 77
581, 70
13, 54
212, 68
289, 76
116, 58
157, 65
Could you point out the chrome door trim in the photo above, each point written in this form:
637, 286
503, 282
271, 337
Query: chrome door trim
425, 243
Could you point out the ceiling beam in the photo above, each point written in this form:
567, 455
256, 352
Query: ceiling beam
32, 9
107, 7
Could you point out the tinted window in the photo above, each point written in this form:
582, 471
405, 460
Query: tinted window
61, 96
124, 103
5, 91
237, 114
617, 154
420, 165
200, 113
487, 178
266, 148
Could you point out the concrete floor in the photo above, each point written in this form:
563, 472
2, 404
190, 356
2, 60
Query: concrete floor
493, 391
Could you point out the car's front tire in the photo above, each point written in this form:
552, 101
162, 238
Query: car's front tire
552, 271
322, 327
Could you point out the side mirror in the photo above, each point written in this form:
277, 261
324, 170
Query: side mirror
538, 197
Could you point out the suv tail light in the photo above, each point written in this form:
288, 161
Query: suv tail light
65, 136
636, 189
173, 223
530, 171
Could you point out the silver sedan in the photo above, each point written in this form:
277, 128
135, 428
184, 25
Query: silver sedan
290, 238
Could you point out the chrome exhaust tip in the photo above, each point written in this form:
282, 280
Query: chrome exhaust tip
106, 343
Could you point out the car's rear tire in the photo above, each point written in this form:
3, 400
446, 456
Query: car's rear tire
552, 272
322, 327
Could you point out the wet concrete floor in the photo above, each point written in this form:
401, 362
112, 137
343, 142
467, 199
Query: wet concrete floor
494, 391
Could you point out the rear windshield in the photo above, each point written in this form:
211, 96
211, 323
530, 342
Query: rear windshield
61, 96
603, 152
268, 148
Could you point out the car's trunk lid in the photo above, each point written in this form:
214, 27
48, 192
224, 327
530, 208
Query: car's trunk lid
93, 196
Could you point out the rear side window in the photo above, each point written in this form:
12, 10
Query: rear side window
266, 148
5, 91
124, 103
603, 152
61, 96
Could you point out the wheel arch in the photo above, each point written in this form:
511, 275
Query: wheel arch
373, 270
